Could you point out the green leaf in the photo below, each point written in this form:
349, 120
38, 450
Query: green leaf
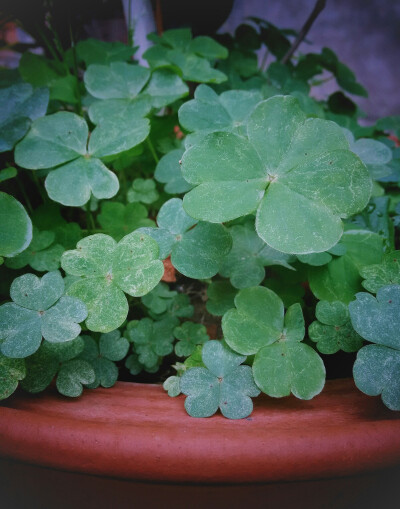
173, 386
295, 184
189, 335
113, 346
289, 367
221, 295
107, 270
43, 365
143, 190
378, 319
94, 51
165, 87
11, 372
39, 310
168, 171
245, 263
385, 273
20, 104
72, 375
42, 254
119, 80
208, 112
340, 279
195, 252
152, 339
376, 372
208, 48
118, 220
159, 299
200, 251
332, 331
127, 111
222, 384
68, 235
8, 173
257, 320
15, 226
60, 140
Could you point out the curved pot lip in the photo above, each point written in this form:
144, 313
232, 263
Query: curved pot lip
135, 431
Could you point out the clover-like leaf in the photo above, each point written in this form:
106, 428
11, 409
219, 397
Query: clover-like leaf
319, 259
195, 252
378, 320
94, 51
143, 190
43, 365
223, 384
340, 279
11, 372
173, 386
258, 326
73, 375
189, 335
107, 270
68, 235
60, 140
20, 104
118, 219
42, 254
177, 49
135, 367
245, 263
168, 171
15, 226
256, 321
332, 331
373, 153
159, 299
152, 340
124, 82
208, 112
385, 273
221, 295
300, 187
101, 356
39, 310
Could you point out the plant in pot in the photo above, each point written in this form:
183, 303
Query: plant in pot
202, 223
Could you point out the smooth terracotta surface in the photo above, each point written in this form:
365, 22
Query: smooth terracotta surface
136, 431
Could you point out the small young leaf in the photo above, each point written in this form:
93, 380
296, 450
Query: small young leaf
39, 310
189, 335
332, 331
72, 376
143, 190
173, 386
222, 384
385, 273
11, 372
118, 220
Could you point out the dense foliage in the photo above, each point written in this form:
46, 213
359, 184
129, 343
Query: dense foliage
202, 222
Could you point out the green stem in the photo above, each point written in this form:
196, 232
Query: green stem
24, 194
48, 45
152, 149
89, 219
38, 186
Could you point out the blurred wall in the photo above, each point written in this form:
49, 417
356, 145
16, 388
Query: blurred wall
364, 33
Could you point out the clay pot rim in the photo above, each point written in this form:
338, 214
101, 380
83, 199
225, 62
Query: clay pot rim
135, 431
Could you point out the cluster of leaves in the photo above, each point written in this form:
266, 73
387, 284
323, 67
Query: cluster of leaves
283, 208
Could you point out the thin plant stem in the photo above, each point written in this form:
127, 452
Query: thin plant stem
152, 150
89, 219
319, 7
48, 45
39, 187
24, 194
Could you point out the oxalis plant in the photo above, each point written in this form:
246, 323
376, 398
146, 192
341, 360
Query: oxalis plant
202, 222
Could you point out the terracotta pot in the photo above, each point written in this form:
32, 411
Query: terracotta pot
137, 433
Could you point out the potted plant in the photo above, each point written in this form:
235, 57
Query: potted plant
206, 224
